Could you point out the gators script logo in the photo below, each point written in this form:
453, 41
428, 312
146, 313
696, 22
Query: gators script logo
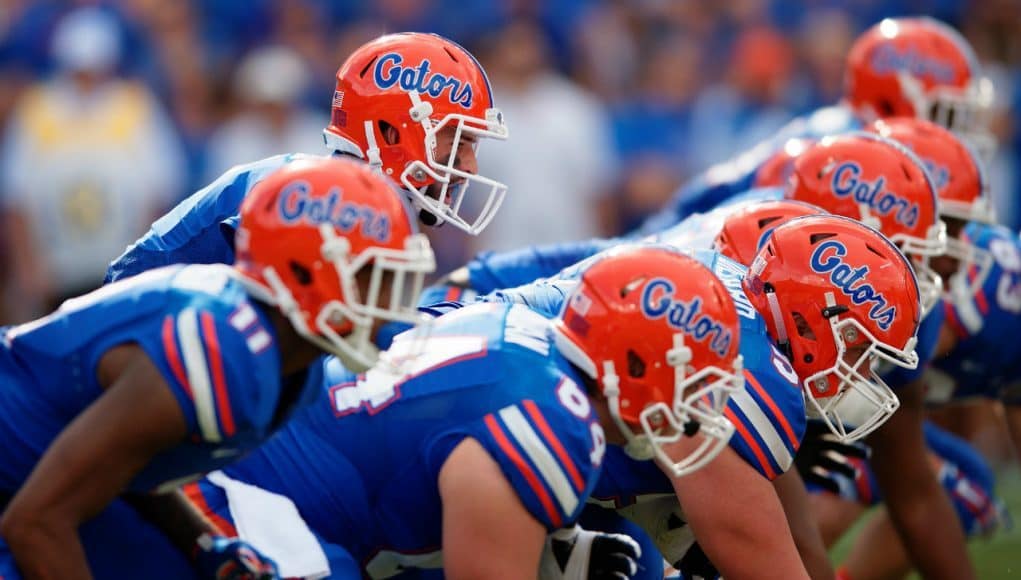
828, 258
390, 70
296, 205
658, 301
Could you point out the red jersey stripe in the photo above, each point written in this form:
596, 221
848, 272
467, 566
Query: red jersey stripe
742, 430
554, 443
791, 437
194, 494
526, 471
215, 362
174, 357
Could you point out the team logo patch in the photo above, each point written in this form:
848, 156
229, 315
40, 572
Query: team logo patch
296, 205
828, 257
888, 59
658, 301
848, 182
390, 70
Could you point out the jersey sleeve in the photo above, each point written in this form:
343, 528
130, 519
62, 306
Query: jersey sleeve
545, 297
200, 229
969, 316
549, 455
223, 370
769, 420
491, 271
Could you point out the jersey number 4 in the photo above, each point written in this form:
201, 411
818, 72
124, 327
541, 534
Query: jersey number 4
380, 386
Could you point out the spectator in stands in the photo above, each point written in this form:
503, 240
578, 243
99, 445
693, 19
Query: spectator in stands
88, 159
268, 86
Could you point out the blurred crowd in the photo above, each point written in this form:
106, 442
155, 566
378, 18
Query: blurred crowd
115, 110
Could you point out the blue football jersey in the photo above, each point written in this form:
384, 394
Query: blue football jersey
769, 414
985, 359
363, 464
732, 177
200, 230
492, 271
213, 345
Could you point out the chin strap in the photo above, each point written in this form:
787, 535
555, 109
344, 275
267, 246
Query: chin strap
372, 153
774, 309
678, 357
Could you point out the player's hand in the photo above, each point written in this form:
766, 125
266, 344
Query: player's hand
826, 462
223, 558
579, 554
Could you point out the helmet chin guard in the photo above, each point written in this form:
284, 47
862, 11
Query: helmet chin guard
863, 401
691, 434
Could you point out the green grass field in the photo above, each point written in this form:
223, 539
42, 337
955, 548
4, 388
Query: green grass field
995, 558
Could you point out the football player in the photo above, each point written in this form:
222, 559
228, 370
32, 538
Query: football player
972, 360
154, 380
784, 301
900, 67
415, 107
497, 433
900, 462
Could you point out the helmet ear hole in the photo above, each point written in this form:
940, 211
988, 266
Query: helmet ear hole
635, 365
391, 136
886, 108
302, 274
804, 330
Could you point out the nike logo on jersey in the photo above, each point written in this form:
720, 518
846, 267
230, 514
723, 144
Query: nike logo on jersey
391, 71
847, 181
296, 205
658, 301
828, 258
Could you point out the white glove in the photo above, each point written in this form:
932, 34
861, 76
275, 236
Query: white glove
578, 554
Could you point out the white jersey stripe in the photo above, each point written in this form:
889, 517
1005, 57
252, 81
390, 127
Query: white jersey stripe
969, 315
764, 427
198, 374
540, 455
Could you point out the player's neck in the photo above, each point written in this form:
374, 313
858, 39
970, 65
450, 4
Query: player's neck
296, 353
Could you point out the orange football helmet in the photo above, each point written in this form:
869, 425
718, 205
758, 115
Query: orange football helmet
838, 296
309, 229
745, 230
961, 186
882, 184
659, 333
777, 169
394, 96
920, 67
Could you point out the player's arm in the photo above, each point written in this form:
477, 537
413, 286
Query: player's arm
947, 341
790, 489
174, 515
490, 271
738, 520
88, 465
487, 531
1013, 414
918, 506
